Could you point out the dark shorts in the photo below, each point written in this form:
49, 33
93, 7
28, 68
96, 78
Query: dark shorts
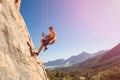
46, 41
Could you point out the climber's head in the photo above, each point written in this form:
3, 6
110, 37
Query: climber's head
51, 29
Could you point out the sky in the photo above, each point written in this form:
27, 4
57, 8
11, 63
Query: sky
81, 25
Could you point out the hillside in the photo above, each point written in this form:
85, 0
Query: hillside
16, 62
72, 60
56, 62
107, 59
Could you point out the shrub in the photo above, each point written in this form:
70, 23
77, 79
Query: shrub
110, 74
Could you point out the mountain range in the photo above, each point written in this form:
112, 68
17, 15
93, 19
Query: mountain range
107, 59
72, 60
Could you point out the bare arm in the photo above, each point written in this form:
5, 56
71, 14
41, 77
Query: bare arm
44, 35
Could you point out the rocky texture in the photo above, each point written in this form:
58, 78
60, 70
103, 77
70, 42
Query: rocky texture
16, 62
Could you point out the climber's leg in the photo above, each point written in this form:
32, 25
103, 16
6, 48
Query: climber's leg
43, 44
40, 49
46, 43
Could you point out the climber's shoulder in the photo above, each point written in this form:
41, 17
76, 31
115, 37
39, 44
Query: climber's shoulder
54, 33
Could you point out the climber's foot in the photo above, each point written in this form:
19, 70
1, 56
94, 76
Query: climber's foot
36, 53
32, 54
45, 49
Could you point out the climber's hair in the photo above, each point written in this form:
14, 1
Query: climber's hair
51, 28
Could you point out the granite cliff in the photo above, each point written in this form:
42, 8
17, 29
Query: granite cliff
16, 62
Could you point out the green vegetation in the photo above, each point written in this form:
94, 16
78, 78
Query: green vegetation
105, 66
58, 75
112, 73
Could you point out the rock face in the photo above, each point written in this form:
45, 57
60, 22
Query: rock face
16, 62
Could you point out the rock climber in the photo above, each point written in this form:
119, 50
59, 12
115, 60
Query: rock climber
47, 40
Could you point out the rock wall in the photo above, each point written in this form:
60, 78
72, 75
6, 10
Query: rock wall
16, 62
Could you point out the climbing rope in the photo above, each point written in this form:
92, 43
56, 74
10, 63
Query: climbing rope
42, 58
44, 14
44, 20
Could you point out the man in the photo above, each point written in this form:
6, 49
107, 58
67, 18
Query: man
48, 39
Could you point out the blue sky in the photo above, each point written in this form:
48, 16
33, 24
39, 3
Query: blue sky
89, 25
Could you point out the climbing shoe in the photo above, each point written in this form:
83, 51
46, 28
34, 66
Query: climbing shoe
45, 49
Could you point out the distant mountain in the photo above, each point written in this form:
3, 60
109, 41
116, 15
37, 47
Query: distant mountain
99, 52
72, 60
79, 58
107, 59
55, 62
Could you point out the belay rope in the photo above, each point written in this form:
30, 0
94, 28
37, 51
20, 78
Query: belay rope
44, 14
43, 24
44, 61
44, 19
